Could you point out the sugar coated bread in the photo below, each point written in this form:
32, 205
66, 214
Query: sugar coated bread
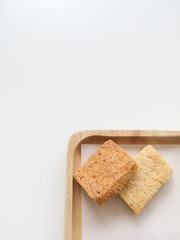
152, 171
105, 172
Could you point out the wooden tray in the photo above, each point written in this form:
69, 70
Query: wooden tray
73, 203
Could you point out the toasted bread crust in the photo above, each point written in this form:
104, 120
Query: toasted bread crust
105, 172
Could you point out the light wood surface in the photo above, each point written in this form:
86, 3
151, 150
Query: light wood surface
73, 205
76, 207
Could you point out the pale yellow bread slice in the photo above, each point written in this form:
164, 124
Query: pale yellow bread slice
152, 171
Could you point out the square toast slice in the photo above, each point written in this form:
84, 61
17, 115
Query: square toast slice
152, 171
105, 172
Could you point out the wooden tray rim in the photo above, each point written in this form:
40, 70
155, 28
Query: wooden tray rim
75, 140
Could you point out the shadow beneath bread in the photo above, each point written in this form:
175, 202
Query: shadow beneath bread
116, 209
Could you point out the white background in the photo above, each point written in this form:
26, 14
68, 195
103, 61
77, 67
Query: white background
71, 65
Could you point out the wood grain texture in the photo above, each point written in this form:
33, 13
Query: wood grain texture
73, 210
76, 206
